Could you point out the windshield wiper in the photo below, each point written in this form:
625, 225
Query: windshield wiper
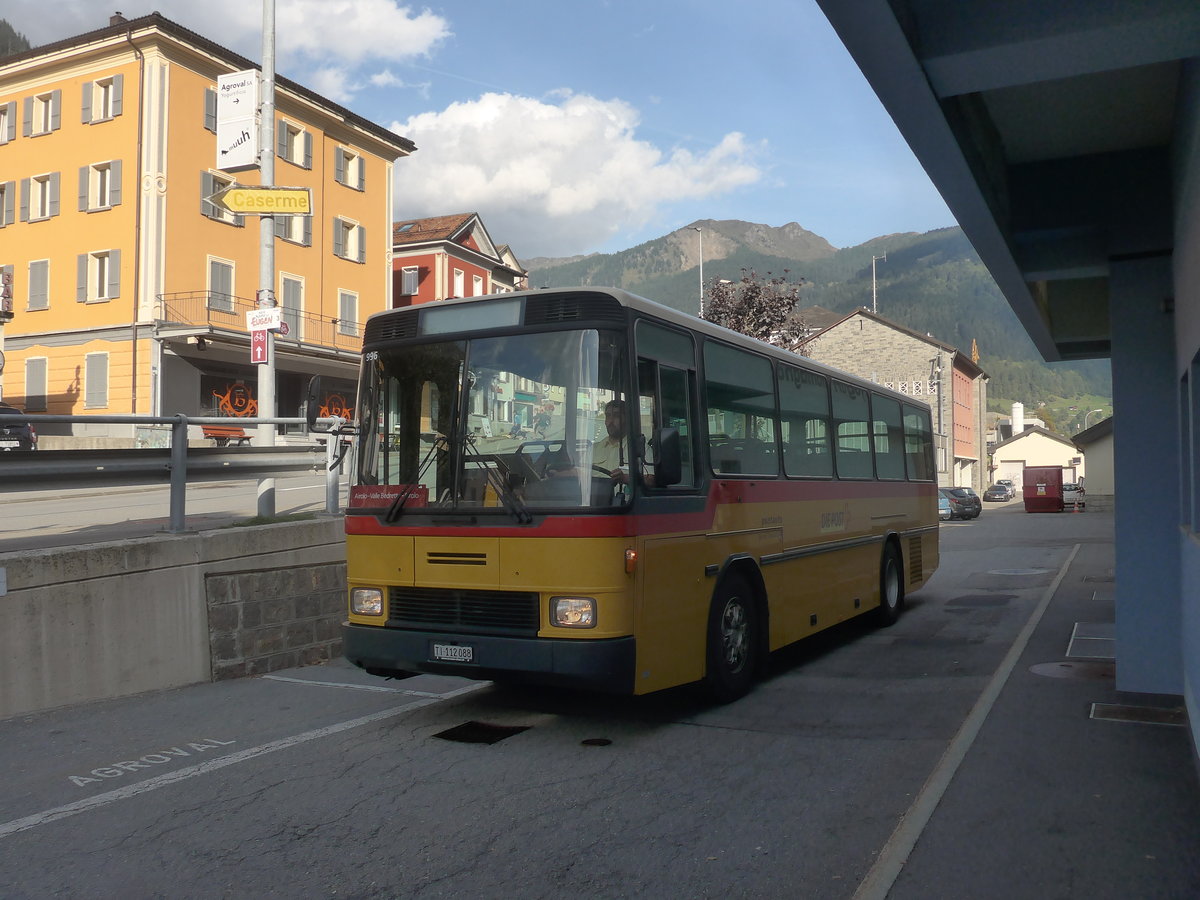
498, 477
397, 508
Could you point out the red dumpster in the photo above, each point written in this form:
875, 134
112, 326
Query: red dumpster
1043, 489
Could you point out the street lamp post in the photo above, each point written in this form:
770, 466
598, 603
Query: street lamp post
1085, 418
874, 307
700, 231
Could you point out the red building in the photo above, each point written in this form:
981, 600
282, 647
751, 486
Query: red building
449, 256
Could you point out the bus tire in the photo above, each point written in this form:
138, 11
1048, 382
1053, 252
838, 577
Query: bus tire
891, 586
733, 641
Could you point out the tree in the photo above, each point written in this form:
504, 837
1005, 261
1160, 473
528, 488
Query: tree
759, 307
11, 41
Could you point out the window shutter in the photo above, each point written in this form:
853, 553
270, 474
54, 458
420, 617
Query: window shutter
86, 106
35, 385
114, 183
56, 109
362, 173
24, 199
339, 165
39, 284
239, 221
362, 244
210, 109
81, 277
118, 92
308, 149
206, 191
114, 274
281, 141
408, 281
307, 224
9, 202
339, 239
11, 120
27, 117
54, 192
95, 392
85, 177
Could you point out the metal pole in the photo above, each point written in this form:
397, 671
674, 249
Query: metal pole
874, 307
266, 260
700, 231
331, 475
179, 432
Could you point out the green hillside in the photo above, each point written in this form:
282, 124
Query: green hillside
932, 283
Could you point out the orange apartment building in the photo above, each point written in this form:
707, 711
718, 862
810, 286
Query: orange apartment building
450, 256
125, 289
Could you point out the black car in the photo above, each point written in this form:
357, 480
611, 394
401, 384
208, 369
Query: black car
15, 435
964, 502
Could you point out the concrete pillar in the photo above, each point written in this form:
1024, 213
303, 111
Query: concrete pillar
1146, 463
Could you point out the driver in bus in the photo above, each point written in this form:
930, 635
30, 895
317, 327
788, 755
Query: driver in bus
610, 453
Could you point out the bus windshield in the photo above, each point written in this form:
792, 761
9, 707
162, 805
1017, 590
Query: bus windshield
504, 422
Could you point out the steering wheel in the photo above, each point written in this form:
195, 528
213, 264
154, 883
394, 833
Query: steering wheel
603, 471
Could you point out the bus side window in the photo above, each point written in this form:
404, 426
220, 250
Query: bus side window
804, 414
850, 416
740, 392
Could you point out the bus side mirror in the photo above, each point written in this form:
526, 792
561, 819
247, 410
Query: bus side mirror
668, 463
311, 406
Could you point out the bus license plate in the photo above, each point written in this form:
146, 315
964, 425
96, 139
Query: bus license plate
454, 652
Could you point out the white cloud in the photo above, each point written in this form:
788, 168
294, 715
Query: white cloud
554, 177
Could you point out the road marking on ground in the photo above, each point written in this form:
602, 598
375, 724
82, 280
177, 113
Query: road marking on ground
895, 852
168, 778
353, 687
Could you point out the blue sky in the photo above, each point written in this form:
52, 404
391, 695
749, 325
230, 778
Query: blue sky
579, 127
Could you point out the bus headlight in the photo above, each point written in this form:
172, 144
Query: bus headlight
573, 612
366, 602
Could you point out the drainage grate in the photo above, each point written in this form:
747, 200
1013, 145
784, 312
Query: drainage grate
1141, 715
1093, 640
480, 732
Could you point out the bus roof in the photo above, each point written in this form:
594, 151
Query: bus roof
674, 317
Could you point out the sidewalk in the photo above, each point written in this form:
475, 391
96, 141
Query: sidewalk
1059, 798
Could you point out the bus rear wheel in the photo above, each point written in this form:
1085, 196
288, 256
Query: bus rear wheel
891, 587
733, 641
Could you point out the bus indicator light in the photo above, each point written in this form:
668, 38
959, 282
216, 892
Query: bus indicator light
630, 560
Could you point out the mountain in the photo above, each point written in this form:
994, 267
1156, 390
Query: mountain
932, 283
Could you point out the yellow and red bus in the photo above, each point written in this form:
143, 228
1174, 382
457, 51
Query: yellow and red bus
581, 487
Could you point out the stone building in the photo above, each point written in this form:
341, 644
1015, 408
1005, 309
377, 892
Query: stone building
870, 346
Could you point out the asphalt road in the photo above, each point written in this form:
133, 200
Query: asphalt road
325, 782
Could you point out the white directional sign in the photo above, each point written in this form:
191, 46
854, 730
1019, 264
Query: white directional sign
238, 95
264, 319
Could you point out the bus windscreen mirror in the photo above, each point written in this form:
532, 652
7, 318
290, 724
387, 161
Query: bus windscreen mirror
668, 463
311, 404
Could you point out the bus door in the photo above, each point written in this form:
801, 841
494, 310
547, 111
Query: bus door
672, 591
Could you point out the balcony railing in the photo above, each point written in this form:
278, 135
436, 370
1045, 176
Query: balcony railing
216, 310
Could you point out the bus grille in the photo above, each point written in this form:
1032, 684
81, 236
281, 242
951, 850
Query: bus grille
572, 307
479, 612
391, 327
916, 564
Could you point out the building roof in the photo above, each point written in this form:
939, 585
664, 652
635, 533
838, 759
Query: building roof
158, 22
433, 228
960, 358
1031, 431
1099, 431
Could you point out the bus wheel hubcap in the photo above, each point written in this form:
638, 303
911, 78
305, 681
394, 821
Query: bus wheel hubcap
735, 634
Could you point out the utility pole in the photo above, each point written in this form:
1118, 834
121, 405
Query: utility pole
874, 305
266, 259
700, 231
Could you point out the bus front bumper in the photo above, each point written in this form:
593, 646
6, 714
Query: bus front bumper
603, 665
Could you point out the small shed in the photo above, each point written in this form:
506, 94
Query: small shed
1096, 443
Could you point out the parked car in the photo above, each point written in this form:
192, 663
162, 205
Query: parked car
944, 511
16, 435
964, 502
1010, 484
998, 492
1073, 494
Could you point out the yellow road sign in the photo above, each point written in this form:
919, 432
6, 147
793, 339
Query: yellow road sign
251, 200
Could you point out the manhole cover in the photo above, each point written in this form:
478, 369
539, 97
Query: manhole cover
1081, 671
1018, 571
480, 732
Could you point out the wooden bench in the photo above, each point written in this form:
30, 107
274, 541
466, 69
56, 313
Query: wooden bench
223, 434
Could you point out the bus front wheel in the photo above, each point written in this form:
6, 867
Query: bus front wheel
733, 644
891, 587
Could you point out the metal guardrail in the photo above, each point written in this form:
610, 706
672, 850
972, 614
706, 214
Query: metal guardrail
176, 464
